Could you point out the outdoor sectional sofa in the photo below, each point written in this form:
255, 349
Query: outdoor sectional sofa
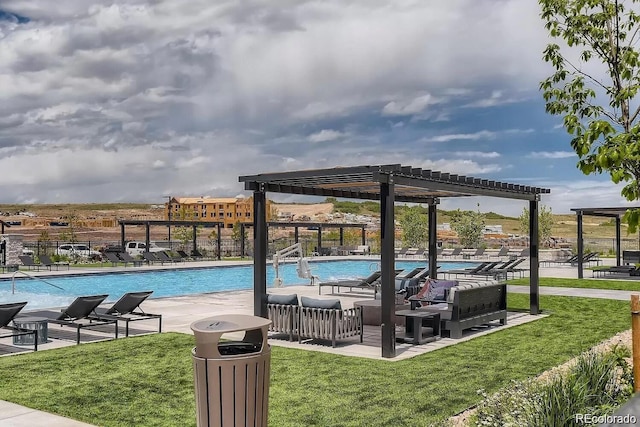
471, 304
313, 318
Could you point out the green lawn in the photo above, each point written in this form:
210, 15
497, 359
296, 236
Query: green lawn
148, 381
621, 285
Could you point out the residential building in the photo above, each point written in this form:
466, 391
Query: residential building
228, 210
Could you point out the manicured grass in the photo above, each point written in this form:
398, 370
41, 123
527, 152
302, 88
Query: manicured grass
148, 381
621, 285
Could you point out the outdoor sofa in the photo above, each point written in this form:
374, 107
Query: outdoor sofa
469, 305
313, 318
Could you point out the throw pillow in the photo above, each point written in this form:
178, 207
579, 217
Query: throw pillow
321, 303
283, 299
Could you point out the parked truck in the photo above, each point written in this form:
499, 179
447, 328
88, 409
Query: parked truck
134, 248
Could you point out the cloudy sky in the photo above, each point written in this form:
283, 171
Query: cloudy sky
131, 100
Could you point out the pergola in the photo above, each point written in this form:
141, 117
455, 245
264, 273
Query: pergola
168, 223
310, 225
388, 184
611, 212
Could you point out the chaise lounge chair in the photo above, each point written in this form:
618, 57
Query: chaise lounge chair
127, 309
365, 283
80, 314
126, 258
113, 258
8, 312
28, 262
47, 262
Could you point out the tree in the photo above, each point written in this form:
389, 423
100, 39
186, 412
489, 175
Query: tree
415, 227
469, 225
184, 234
595, 93
44, 240
545, 223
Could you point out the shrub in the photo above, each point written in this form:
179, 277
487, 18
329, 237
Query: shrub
597, 384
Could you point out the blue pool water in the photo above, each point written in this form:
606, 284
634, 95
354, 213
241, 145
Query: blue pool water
182, 282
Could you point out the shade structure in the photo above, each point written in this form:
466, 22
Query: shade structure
388, 184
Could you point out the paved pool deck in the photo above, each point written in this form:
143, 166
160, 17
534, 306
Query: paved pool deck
179, 312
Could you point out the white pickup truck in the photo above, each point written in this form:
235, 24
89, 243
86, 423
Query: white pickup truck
137, 248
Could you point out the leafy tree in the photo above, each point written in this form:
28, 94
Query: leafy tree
545, 223
44, 240
184, 234
415, 227
69, 234
594, 86
469, 226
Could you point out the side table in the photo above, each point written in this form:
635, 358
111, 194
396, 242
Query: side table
34, 324
415, 320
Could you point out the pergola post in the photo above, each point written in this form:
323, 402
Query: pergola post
259, 252
122, 238
433, 238
387, 267
534, 275
194, 230
618, 242
219, 242
242, 237
296, 237
147, 240
319, 240
364, 236
341, 236
580, 245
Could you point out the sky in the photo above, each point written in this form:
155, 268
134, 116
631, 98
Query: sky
131, 100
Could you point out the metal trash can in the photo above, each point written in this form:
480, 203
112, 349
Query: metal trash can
231, 377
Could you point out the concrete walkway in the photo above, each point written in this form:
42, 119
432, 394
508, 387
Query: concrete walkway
180, 312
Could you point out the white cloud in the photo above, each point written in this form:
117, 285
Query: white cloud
481, 154
552, 154
483, 134
409, 107
325, 135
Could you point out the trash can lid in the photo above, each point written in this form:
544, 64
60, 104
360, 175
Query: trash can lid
229, 323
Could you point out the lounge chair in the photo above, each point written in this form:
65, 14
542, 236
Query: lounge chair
151, 258
127, 309
615, 269
47, 262
455, 252
365, 283
8, 312
113, 258
80, 314
485, 266
195, 254
401, 253
183, 254
164, 257
504, 251
478, 253
28, 262
126, 258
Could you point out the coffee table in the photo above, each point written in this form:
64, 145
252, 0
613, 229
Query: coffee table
415, 320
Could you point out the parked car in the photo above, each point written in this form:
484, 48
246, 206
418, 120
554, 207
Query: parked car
77, 250
26, 251
137, 248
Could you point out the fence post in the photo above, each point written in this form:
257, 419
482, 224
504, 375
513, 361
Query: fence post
635, 339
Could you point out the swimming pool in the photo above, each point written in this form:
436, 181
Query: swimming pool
167, 283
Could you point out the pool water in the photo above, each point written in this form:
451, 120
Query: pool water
169, 283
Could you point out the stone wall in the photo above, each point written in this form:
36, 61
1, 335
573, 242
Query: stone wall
14, 247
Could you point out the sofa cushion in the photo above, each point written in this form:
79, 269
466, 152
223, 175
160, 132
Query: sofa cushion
438, 289
283, 299
321, 303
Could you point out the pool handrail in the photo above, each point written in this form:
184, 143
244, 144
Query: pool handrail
13, 281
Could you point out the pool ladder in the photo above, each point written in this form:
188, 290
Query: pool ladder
13, 280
